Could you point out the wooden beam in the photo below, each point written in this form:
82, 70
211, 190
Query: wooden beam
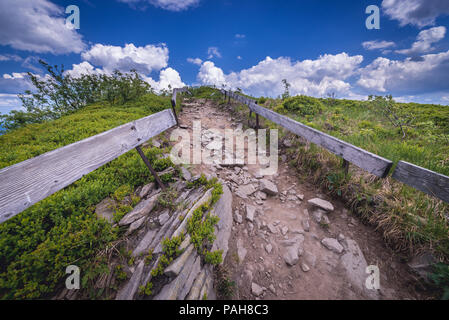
366, 160
430, 182
27, 182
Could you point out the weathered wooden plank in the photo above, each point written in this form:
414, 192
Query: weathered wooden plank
175, 93
430, 182
366, 160
27, 182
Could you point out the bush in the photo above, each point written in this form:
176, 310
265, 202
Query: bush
60, 94
304, 105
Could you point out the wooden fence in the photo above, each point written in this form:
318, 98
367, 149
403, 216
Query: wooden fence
422, 179
27, 182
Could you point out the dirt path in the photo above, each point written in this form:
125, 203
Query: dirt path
279, 253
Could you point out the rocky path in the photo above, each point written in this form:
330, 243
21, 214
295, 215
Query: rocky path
288, 240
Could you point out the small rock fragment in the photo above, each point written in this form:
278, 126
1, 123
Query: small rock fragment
250, 212
268, 187
332, 244
323, 204
268, 248
256, 289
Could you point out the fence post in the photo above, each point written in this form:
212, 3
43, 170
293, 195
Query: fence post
173, 107
153, 172
345, 166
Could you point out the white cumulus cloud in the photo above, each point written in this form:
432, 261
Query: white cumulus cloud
420, 13
425, 40
168, 78
311, 77
38, 26
84, 68
209, 74
416, 76
143, 59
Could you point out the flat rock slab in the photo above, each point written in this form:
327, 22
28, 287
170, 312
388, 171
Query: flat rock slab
320, 203
197, 285
332, 245
354, 263
245, 190
223, 210
129, 290
204, 199
176, 266
144, 244
147, 189
163, 218
186, 175
268, 187
136, 225
196, 269
174, 288
142, 209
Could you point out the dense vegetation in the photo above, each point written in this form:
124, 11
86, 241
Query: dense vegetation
37, 245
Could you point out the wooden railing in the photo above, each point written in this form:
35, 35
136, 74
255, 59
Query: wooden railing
25, 183
173, 100
422, 179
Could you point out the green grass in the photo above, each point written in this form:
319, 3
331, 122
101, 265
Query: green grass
37, 245
357, 122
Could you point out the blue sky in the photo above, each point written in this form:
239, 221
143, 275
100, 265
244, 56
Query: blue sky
319, 46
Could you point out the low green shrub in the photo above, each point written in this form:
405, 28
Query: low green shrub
304, 105
38, 244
